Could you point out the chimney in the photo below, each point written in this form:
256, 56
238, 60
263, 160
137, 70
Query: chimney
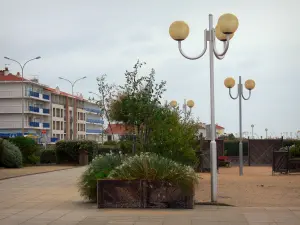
6, 71
18, 74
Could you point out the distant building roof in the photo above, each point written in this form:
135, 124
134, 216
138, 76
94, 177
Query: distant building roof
219, 127
10, 77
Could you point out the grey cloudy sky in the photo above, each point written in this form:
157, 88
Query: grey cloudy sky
89, 38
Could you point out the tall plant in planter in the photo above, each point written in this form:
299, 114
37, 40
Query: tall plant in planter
157, 127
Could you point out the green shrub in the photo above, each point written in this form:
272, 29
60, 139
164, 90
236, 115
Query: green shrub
232, 148
68, 151
110, 143
150, 166
28, 147
11, 156
126, 146
48, 156
99, 168
295, 150
290, 142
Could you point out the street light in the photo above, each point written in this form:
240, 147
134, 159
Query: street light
249, 84
227, 25
189, 103
72, 84
22, 73
266, 133
252, 126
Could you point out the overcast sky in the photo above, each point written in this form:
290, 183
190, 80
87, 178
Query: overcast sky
89, 38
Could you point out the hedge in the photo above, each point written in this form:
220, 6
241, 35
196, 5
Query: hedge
48, 156
290, 142
10, 155
68, 151
231, 148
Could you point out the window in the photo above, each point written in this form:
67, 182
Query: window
61, 125
57, 125
58, 112
53, 125
53, 112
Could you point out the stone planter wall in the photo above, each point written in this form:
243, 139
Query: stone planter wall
142, 194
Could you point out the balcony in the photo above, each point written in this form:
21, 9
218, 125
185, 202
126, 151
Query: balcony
38, 110
95, 121
96, 111
91, 131
39, 96
34, 109
46, 97
34, 94
54, 139
34, 124
46, 111
46, 125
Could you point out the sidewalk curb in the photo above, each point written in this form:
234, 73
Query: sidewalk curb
24, 175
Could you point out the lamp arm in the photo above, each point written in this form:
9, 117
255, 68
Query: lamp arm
226, 46
232, 96
248, 96
196, 57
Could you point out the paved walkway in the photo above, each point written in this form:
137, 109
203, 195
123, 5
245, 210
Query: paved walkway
17, 172
52, 198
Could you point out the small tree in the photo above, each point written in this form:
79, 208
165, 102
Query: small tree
107, 93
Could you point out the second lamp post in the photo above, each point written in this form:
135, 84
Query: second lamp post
249, 84
189, 103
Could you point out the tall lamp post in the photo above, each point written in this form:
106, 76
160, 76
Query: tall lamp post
72, 84
22, 73
224, 31
249, 84
266, 133
252, 126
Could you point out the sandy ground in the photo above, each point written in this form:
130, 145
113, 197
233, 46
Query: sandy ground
15, 172
256, 188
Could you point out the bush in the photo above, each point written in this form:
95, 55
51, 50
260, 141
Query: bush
295, 150
99, 168
232, 148
28, 148
126, 146
48, 156
11, 156
110, 143
68, 151
152, 167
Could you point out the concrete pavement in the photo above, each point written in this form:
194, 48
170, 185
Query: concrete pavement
52, 198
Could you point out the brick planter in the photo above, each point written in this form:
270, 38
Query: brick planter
142, 194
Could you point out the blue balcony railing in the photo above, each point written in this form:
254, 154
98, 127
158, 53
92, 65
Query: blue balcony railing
34, 124
34, 94
34, 109
46, 97
46, 111
91, 131
98, 111
95, 121
54, 139
46, 125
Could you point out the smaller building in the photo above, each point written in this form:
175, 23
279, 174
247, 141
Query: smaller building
116, 131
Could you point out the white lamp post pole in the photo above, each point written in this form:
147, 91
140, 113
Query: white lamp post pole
227, 25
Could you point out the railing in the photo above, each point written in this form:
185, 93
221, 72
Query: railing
54, 139
90, 131
34, 109
98, 111
34, 94
46, 97
34, 124
95, 121
46, 111
46, 125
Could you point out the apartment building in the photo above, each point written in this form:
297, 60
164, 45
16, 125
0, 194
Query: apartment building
36, 103
94, 122
49, 114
